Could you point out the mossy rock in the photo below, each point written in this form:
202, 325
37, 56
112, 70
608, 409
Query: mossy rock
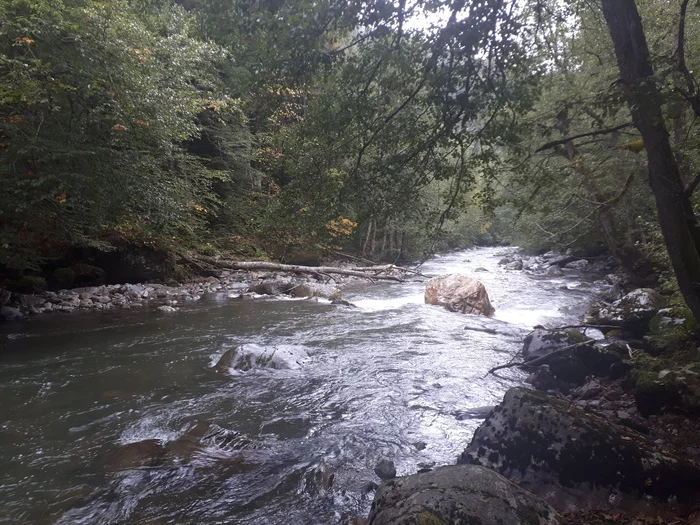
669, 390
28, 284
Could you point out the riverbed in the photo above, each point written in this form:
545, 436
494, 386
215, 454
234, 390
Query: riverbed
386, 379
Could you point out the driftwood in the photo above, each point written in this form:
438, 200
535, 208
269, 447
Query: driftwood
365, 273
541, 360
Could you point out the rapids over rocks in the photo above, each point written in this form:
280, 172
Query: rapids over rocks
390, 379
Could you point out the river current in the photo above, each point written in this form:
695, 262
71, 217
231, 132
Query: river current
384, 380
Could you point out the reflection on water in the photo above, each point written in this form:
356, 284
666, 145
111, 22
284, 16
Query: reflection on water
385, 379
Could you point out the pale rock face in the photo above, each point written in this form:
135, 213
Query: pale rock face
459, 293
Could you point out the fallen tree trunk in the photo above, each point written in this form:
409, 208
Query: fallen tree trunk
295, 268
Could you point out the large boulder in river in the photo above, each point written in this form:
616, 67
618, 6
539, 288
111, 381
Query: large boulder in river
248, 356
459, 293
309, 289
458, 494
548, 446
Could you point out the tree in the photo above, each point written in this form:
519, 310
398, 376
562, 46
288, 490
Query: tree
679, 224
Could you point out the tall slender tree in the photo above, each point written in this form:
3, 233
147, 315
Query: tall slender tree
679, 224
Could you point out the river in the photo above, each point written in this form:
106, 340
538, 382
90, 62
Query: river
383, 380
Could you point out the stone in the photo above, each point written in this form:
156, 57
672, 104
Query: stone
631, 312
474, 413
547, 445
515, 265
166, 309
146, 453
248, 356
480, 269
458, 494
542, 342
554, 271
272, 287
581, 264
316, 290
459, 293
385, 469
9, 312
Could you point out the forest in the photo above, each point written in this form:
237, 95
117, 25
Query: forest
133, 131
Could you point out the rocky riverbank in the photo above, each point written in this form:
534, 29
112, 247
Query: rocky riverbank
228, 285
606, 431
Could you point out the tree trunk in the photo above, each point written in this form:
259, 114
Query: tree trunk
678, 222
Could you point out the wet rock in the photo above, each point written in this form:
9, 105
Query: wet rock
342, 302
369, 486
459, 293
474, 413
248, 356
554, 271
550, 447
632, 312
457, 494
581, 264
480, 269
562, 260
515, 265
9, 312
166, 309
324, 291
420, 445
385, 469
540, 342
273, 287
147, 453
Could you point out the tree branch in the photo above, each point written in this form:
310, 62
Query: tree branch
605, 131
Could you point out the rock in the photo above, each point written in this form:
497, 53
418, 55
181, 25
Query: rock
385, 469
581, 264
515, 265
147, 453
632, 312
369, 486
272, 287
166, 309
562, 260
668, 391
9, 312
541, 342
548, 446
316, 290
589, 390
554, 271
459, 293
248, 356
342, 302
458, 494
474, 413
480, 269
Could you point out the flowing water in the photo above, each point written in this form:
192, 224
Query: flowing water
383, 380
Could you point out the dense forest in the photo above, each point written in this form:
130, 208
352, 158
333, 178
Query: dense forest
133, 132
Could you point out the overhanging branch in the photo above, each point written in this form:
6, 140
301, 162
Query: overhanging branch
597, 132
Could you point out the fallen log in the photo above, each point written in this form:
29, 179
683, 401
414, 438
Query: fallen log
295, 268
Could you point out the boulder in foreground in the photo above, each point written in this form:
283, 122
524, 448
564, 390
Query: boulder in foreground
458, 494
459, 293
552, 448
